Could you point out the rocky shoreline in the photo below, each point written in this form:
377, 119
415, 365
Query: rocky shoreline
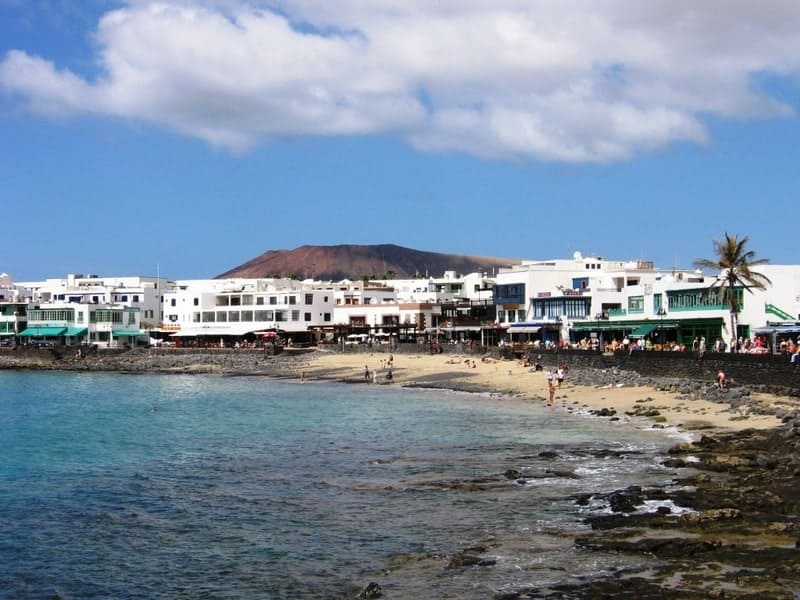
736, 535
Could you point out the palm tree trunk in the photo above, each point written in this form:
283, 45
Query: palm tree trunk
734, 310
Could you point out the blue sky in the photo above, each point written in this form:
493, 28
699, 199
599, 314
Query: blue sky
193, 136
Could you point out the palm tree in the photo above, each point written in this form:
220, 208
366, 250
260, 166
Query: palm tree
734, 264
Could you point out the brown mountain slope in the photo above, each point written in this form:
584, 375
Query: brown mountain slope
354, 262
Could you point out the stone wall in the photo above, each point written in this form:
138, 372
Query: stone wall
764, 370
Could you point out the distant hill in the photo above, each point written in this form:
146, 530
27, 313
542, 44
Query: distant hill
347, 261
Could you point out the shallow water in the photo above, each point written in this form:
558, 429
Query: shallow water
197, 486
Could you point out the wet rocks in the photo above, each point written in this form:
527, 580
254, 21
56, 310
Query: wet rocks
469, 557
737, 511
603, 412
371, 591
641, 411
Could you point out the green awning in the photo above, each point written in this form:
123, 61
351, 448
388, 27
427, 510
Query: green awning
47, 331
75, 331
127, 333
643, 330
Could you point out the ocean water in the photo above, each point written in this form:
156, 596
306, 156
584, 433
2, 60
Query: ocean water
120, 486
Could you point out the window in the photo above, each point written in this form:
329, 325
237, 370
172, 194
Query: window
247, 316
208, 317
236, 301
326, 317
324, 298
501, 316
136, 298
259, 300
657, 303
263, 315
79, 317
233, 316
196, 317
222, 316
306, 317
131, 318
106, 316
195, 302
52, 314
292, 299
124, 298
280, 315
309, 299
247, 299
273, 300
636, 304
295, 315
172, 302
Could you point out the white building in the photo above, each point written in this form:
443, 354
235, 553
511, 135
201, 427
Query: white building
13, 309
140, 292
73, 323
601, 299
237, 307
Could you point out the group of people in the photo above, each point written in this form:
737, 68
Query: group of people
373, 375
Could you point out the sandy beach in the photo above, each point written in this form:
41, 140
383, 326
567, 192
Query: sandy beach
511, 378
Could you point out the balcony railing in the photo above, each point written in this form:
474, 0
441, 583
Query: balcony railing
699, 307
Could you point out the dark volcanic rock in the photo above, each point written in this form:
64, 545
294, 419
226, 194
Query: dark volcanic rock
371, 590
745, 500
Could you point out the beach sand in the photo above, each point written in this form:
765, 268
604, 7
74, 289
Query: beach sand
510, 378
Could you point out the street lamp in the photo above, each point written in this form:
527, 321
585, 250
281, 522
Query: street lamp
598, 317
661, 312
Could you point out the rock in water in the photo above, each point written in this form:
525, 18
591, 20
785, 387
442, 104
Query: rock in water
373, 590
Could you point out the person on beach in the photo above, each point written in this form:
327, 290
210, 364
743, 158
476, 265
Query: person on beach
560, 374
366, 372
551, 389
722, 380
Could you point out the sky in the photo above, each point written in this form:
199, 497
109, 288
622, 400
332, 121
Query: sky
186, 137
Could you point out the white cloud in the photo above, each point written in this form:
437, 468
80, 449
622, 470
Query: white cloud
562, 80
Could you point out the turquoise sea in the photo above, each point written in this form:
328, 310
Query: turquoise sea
121, 486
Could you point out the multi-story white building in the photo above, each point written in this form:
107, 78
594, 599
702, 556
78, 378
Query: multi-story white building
142, 293
594, 297
473, 287
73, 323
13, 309
219, 310
241, 307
